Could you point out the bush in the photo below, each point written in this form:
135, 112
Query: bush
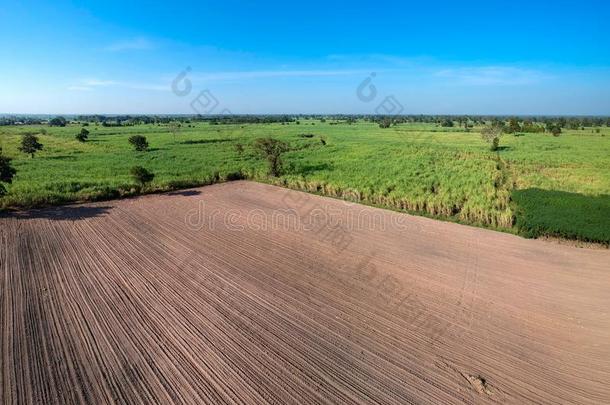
7, 172
556, 130
138, 142
141, 175
30, 144
82, 135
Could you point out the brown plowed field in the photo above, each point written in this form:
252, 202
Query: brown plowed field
249, 293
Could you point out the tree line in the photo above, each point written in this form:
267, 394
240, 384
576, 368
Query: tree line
464, 121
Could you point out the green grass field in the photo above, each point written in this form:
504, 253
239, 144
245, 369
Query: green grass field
535, 185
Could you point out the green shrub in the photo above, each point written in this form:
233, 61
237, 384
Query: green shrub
83, 135
138, 142
141, 175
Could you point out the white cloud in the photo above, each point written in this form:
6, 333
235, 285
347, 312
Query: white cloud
99, 83
79, 88
491, 76
263, 74
132, 44
92, 84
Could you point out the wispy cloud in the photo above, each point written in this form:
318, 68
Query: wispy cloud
79, 88
132, 44
99, 83
264, 74
491, 76
92, 84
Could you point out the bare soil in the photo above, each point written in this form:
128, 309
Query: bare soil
249, 293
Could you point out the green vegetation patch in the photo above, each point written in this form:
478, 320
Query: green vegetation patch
532, 183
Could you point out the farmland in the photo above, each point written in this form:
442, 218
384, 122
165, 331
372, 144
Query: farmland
126, 302
535, 185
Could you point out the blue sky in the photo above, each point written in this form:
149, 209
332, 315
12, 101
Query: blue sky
438, 57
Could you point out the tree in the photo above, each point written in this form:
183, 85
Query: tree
447, 123
141, 175
385, 123
556, 130
58, 122
30, 144
82, 135
272, 149
7, 172
138, 142
513, 126
491, 134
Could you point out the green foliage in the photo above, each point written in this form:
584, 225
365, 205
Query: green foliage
556, 130
513, 126
83, 135
272, 149
530, 127
413, 166
561, 214
141, 175
138, 142
7, 172
30, 144
58, 122
385, 123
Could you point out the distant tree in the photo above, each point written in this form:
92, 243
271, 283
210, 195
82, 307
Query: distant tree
513, 126
447, 123
141, 175
556, 130
30, 144
492, 134
385, 123
272, 149
530, 127
138, 142
83, 135
7, 172
58, 122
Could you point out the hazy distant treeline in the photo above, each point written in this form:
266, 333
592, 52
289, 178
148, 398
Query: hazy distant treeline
570, 122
